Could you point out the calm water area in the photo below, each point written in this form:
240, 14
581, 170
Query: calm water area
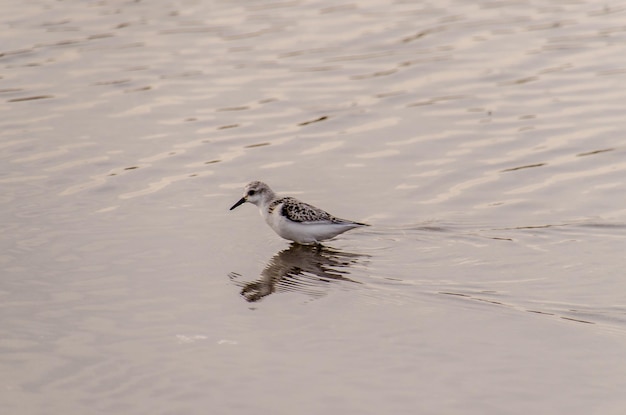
484, 142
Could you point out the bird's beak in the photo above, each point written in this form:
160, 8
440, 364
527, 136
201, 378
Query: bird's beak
239, 202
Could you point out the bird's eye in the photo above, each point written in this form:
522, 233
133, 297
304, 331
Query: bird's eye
251, 192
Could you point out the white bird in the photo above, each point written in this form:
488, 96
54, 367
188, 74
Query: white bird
293, 219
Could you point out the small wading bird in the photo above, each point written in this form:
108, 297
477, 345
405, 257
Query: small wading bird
293, 219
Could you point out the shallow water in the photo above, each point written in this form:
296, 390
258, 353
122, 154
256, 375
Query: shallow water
482, 141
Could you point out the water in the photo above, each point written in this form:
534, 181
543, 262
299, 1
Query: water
483, 141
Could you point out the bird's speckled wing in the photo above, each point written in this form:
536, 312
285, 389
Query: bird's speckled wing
298, 211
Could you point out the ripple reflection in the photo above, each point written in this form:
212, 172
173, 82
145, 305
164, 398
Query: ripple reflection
304, 268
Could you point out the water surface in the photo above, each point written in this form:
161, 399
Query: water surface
482, 141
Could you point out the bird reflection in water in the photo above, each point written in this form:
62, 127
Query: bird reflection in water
303, 268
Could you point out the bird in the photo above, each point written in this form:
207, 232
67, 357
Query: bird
292, 219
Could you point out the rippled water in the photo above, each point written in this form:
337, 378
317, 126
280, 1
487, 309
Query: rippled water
482, 141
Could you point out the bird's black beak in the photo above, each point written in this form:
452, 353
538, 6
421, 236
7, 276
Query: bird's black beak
239, 202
